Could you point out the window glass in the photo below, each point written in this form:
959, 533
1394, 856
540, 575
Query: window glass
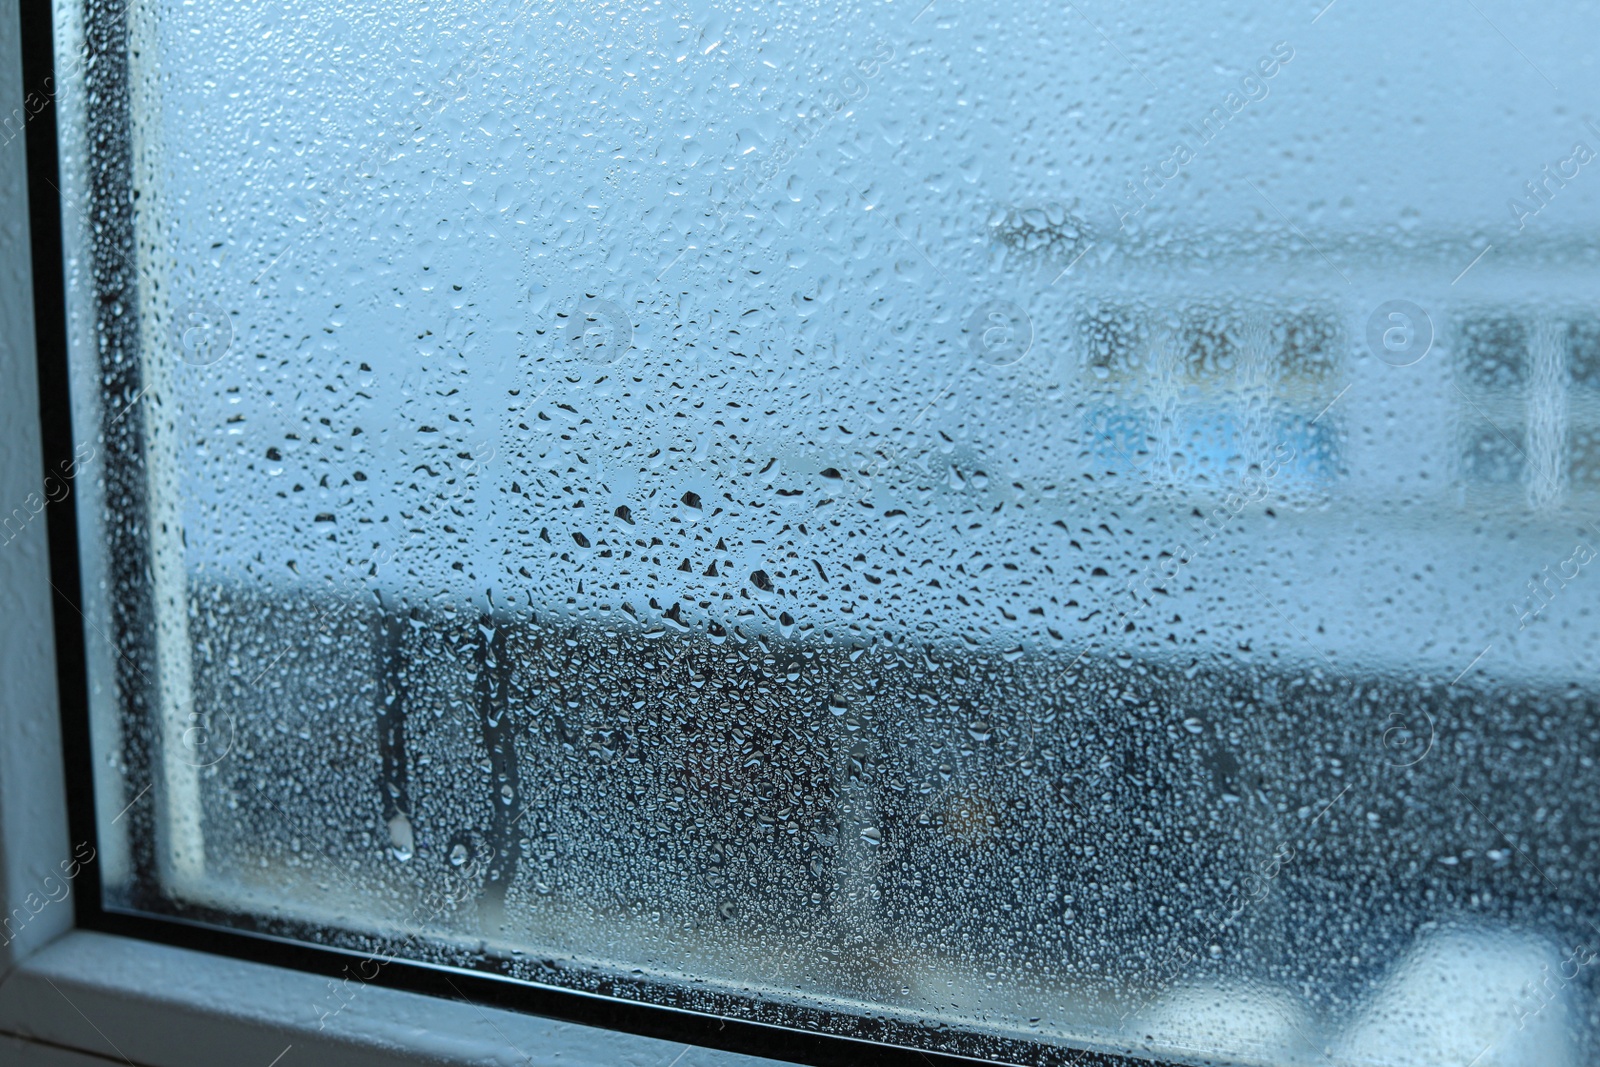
988, 527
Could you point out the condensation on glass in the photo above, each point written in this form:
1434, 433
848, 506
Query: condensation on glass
990, 527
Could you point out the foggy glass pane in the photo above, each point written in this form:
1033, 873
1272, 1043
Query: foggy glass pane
995, 528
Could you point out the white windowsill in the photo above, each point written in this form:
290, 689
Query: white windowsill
157, 1006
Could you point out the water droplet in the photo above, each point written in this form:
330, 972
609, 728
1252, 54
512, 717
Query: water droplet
401, 841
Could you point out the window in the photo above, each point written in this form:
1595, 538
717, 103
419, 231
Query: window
990, 530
